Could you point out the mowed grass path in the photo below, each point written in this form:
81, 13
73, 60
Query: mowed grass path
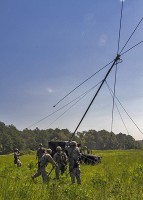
118, 176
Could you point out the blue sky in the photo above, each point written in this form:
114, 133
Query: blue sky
48, 47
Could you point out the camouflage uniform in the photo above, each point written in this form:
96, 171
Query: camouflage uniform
74, 158
16, 158
40, 153
43, 162
61, 159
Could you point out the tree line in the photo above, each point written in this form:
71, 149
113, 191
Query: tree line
28, 140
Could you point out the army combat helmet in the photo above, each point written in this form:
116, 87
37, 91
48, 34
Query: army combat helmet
59, 148
49, 151
15, 150
73, 143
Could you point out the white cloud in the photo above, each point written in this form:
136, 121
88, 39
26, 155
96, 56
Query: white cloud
102, 40
50, 90
40, 90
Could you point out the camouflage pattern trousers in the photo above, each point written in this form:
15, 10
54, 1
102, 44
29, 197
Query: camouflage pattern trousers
43, 173
18, 162
75, 175
60, 169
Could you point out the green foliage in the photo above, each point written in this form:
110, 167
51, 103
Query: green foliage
118, 177
28, 140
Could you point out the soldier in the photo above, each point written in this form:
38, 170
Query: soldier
16, 158
61, 159
43, 162
74, 162
40, 152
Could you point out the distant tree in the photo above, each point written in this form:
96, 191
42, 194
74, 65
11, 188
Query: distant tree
11, 137
6, 143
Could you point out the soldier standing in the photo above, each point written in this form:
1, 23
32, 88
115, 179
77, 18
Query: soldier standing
16, 158
61, 159
74, 162
43, 162
40, 152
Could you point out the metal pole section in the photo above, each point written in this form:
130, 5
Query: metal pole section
115, 61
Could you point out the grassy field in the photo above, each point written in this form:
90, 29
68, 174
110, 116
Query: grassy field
119, 176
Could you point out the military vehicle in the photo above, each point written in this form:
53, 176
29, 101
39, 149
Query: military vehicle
85, 158
90, 159
53, 145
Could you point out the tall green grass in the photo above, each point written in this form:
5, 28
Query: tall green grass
118, 176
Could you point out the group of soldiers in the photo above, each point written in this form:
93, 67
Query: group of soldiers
59, 162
